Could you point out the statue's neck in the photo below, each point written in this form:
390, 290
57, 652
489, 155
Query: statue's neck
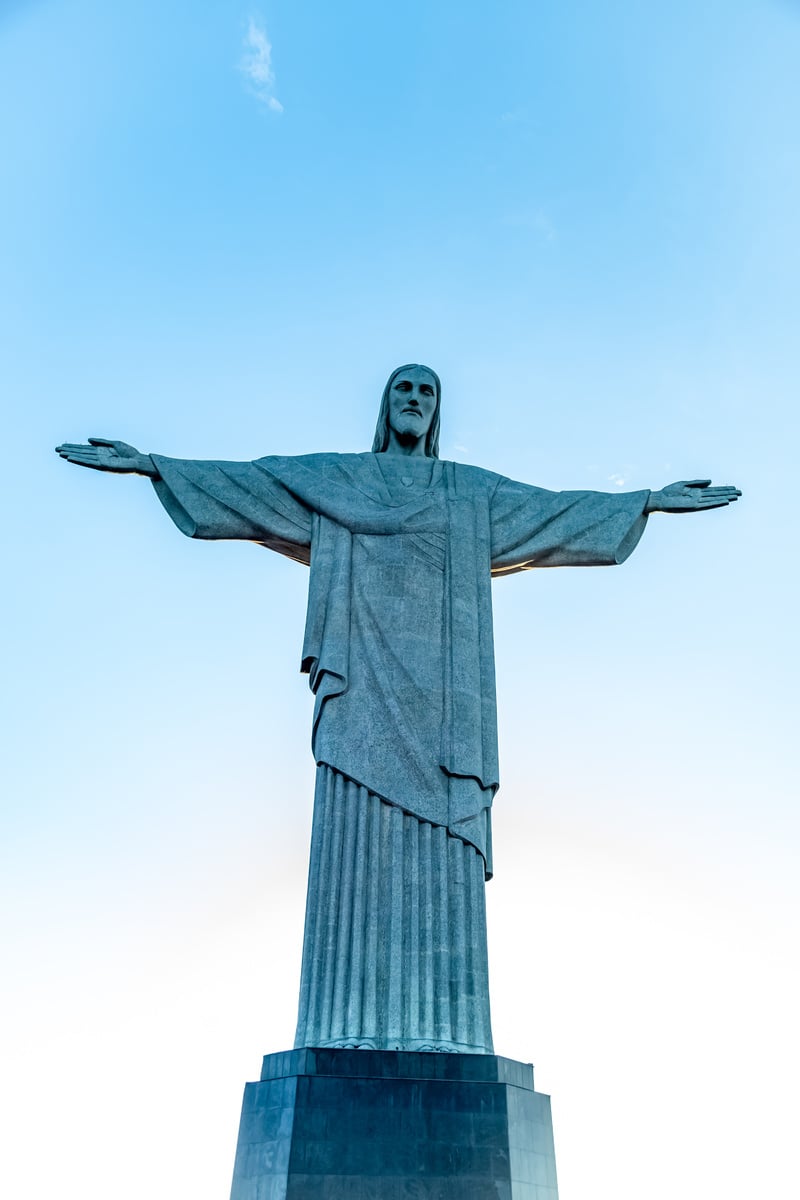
406, 444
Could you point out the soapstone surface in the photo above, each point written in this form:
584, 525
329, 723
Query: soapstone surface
398, 649
383, 1125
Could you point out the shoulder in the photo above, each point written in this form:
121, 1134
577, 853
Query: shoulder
472, 479
306, 473
325, 463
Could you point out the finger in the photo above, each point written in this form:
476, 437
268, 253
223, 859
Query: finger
697, 483
86, 452
101, 442
721, 491
76, 456
79, 461
75, 447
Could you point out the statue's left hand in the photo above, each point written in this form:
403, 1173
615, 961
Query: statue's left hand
691, 495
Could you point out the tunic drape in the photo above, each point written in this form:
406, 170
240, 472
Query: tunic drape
398, 648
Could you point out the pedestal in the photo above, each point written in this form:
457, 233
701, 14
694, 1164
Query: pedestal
394, 1125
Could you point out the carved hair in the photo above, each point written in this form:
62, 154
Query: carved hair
382, 430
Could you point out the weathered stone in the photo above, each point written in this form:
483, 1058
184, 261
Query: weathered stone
398, 648
358, 1124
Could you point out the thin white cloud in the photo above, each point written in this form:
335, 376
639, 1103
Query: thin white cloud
256, 66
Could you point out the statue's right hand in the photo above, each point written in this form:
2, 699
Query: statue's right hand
105, 454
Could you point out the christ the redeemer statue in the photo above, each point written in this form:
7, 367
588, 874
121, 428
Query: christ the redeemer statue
398, 648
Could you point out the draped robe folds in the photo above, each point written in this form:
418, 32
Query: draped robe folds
399, 652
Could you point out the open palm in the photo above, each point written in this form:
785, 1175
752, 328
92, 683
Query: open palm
106, 454
692, 495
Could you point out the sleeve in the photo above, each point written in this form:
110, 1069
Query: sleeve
234, 500
533, 527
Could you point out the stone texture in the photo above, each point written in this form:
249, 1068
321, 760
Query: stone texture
394, 951
398, 649
398, 642
335, 1124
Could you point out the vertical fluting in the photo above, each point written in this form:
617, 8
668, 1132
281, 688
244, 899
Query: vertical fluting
393, 864
369, 1015
441, 922
331, 914
347, 869
358, 932
426, 955
411, 928
459, 997
394, 955
472, 926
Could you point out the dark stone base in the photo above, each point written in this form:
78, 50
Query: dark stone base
394, 1125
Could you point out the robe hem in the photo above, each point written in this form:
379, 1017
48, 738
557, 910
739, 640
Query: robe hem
323, 762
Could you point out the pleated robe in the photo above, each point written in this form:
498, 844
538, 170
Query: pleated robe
398, 648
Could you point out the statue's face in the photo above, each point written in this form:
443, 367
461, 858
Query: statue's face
412, 403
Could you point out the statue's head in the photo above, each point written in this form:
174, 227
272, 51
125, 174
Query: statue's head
410, 405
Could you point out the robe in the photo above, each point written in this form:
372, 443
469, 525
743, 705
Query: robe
399, 653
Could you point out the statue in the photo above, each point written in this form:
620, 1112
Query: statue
398, 649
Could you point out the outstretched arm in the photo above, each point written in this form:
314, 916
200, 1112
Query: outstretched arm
104, 454
241, 501
691, 495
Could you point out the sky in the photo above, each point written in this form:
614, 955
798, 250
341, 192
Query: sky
221, 227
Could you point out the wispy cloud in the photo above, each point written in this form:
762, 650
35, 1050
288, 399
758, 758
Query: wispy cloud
256, 65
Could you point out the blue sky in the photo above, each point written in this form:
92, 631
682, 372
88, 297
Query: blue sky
222, 227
